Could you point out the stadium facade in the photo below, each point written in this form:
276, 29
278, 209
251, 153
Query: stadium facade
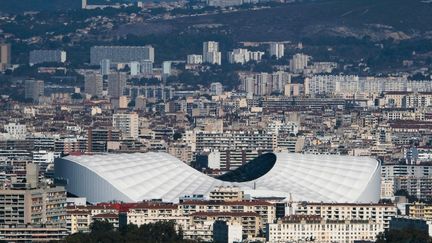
143, 176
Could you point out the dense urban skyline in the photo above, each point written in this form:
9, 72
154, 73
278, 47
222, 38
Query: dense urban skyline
216, 121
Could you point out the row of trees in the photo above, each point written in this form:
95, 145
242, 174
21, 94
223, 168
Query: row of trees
404, 236
102, 231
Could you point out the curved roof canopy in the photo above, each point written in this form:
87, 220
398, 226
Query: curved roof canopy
141, 176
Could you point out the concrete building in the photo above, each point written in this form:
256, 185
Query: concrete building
211, 53
256, 55
240, 56
379, 213
303, 228
420, 210
105, 66
16, 131
348, 85
402, 170
80, 218
5, 56
194, 59
93, 84
166, 68
78, 221
121, 54
226, 194
152, 92
127, 123
44, 159
147, 68
97, 138
224, 3
135, 68
233, 140
216, 88
277, 50
34, 89
294, 90
31, 233
116, 84
33, 206
299, 63
407, 99
145, 213
262, 84
46, 56
420, 187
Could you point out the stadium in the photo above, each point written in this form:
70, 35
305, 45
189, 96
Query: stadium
143, 176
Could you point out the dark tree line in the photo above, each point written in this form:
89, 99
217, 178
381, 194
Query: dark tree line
403, 236
148, 233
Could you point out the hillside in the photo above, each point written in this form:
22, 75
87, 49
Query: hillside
378, 20
18, 6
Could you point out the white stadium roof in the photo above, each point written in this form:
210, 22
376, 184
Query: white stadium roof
141, 176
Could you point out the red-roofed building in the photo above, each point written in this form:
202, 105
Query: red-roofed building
151, 212
265, 210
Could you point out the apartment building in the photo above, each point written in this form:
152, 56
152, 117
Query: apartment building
79, 218
420, 210
33, 89
5, 56
33, 206
420, 187
97, 138
93, 84
302, 228
277, 50
250, 221
262, 84
194, 59
379, 213
350, 84
78, 221
31, 233
226, 194
121, 54
153, 212
233, 140
47, 56
211, 53
116, 84
399, 170
265, 210
127, 123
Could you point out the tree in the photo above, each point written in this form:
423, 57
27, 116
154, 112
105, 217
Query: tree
177, 136
408, 235
103, 231
101, 226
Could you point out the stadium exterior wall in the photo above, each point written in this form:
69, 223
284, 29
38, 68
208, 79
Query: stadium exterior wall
144, 176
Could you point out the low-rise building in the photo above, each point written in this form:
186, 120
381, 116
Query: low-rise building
301, 228
378, 213
226, 194
31, 233
250, 222
146, 213
420, 210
